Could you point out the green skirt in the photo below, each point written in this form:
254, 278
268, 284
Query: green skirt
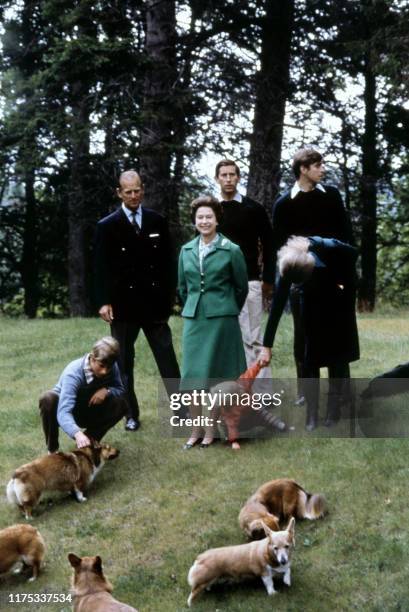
212, 348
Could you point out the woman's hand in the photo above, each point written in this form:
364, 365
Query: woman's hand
264, 356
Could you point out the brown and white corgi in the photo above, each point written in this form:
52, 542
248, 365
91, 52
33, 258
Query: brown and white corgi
73, 471
21, 544
91, 590
276, 501
261, 558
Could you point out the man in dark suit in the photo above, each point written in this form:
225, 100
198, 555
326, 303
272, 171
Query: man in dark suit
136, 284
246, 223
308, 209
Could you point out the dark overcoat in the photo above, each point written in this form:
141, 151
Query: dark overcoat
327, 305
135, 272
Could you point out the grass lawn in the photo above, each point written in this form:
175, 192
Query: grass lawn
155, 508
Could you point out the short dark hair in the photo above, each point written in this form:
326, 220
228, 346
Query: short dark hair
226, 162
209, 201
305, 157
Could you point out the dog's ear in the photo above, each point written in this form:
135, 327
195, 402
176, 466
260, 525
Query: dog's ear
291, 529
94, 443
74, 560
97, 565
267, 529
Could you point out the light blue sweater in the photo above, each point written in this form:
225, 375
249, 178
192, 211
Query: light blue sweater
72, 383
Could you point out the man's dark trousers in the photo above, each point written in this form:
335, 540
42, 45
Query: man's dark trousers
159, 337
97, 419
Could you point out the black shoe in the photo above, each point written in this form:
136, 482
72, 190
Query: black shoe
132, 424
333, 416
311, 422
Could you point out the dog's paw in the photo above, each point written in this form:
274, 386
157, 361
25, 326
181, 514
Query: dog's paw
31, 579
80, 496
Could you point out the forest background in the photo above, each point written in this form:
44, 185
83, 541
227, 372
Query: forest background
91, 88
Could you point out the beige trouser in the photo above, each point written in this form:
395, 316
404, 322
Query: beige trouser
250, 323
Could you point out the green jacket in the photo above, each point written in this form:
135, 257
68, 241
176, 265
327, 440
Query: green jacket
222, 286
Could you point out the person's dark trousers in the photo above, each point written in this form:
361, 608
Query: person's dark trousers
96, 419
159, 337
311, 388
338, 392
299, 337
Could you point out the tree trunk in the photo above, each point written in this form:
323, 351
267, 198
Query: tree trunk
159, 95
78, 264
272, 85
367, 288
29, 260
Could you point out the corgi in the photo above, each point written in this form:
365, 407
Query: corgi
73, 471
91, 590
21, 543
278, 500
266, 558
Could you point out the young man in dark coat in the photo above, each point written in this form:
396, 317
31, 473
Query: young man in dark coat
136, 283
309, 208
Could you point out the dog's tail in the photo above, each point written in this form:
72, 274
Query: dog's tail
311, 506
190, 574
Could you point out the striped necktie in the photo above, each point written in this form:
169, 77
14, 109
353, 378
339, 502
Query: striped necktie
134, 223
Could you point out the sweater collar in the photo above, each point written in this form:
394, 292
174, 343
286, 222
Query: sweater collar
296, 189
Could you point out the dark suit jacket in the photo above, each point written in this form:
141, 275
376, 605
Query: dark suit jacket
136, 273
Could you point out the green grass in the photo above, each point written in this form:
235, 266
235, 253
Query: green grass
155, 508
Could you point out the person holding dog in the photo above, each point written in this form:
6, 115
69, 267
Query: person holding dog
324, 271
89, 394
213, 288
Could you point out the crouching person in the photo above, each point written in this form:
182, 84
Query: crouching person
89, 395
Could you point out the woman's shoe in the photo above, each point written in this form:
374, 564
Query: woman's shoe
206, 443
190, 444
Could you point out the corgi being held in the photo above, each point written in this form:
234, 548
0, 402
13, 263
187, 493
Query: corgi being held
278, 500
92, 591
265, 558
21, 543
57, 472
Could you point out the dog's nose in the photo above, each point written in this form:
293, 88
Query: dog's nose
283, 561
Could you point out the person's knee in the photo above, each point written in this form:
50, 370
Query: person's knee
48, 402
119, 406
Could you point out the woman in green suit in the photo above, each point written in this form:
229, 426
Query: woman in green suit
213, 287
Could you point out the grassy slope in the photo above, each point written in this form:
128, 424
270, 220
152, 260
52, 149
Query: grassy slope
153, 511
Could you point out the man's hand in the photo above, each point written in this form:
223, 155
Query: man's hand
82, 440
106, 313
267, 293
98, 397
264, 356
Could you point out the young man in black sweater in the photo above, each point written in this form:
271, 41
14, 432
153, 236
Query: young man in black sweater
246, 223
308, 209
